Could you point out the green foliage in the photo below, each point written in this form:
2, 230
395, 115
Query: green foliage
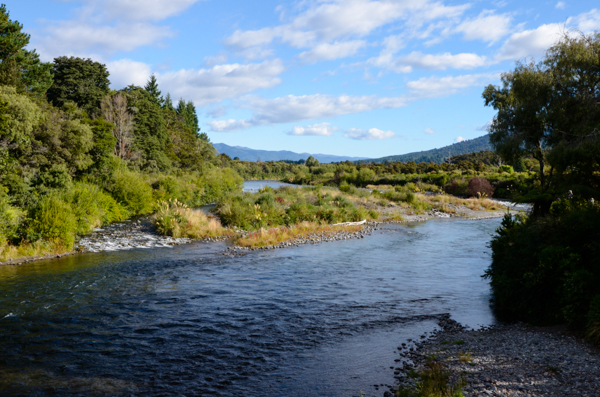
151, 136
53, 219
78, 80
131, 190
434, 381
22, 115
152, 88
10, 219
547, 270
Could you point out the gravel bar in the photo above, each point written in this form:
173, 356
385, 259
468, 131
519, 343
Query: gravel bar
508, 360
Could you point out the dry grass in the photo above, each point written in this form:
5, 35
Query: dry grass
275, 236
175, 219
27, 249
483, 204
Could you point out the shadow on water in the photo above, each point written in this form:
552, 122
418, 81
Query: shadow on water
308, 321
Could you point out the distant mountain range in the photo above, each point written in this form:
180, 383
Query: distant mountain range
247, 154
434, 155
439, 155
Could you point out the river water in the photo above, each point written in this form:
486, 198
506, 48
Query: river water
314, 320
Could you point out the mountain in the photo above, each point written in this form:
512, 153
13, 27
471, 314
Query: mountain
439, 155
248, 154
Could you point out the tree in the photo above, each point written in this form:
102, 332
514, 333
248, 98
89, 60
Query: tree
550, 111
311, 161
152, 88
191, 117
115, 110
82, 81
19, 67
168, 103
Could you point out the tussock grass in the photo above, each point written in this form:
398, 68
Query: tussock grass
175, 219
275, 236
434, 382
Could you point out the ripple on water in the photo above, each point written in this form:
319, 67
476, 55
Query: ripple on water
308, 321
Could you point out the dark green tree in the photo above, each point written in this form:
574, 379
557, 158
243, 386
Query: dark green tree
20, 67
191, 117
151, 137
152, 88
168, 103
78, 80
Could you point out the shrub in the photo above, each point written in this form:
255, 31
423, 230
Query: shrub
175, 219
130, 189
547, 270
480, 187
10, 219
53, 220
93, 207
458, 187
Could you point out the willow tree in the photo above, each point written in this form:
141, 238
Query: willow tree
548, 108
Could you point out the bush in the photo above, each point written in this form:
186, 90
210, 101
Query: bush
10, 219
175, 219
480, 187
93, 207
458, 187
130, 189
547, 270
53, 220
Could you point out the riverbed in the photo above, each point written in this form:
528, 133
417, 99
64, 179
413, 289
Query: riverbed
188, 320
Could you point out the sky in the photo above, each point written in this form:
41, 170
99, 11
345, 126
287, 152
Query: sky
346, 77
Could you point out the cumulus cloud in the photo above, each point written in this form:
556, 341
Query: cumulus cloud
371, 134
560, 5
125, 72
487, 27
322, 129
432, 87
429, 131
418, 60
332, 51
587, 22
530, 43
460, 139
212, 85
293, 108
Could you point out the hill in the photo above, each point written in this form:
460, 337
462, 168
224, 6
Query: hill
438, 155
247, 154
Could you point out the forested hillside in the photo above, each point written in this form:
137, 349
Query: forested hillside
439, 155
247, 154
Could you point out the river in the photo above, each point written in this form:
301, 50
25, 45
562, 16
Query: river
315, 320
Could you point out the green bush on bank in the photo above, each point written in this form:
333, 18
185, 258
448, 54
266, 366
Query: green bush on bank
547, 270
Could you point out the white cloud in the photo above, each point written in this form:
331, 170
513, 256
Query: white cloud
141, 10
560, 5
484, 127
218, 59
460, 139
531, 43
79, 38
429, 131
125, 72
292, 108
332, 51
325, 22
322, 129
432, 87
209, 86
371, 134
587, 22
418, 60
486, 27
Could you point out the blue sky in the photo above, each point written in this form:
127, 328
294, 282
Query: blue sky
356, 77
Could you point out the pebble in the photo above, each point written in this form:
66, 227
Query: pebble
509, 360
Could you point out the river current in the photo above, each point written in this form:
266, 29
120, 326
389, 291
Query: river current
314, 320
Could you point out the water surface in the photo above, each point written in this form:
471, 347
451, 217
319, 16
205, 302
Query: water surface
314, 320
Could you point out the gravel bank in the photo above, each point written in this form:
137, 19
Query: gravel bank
508, 360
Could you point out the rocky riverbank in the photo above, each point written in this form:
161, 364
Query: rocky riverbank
507, 360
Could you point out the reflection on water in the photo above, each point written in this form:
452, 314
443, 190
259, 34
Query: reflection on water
307, 321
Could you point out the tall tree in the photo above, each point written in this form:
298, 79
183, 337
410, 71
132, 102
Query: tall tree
20, 67
152, 88
168, 103
192, 118
82, 81
116, 111
550, 110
